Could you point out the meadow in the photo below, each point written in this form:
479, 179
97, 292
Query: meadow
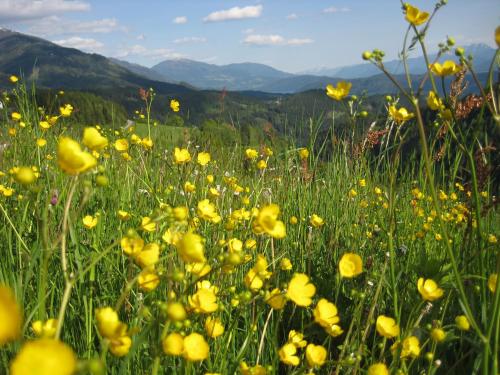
143, 249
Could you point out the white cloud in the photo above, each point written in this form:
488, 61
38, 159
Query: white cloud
54, 25
235, 13
190, 39
275, 40
248, 31
264, 40
141, 37
336, 10
180, 20
85, 44
292, 16
19, 10
299, 41
153, 53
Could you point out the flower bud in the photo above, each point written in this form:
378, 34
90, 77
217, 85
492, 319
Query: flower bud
367, 55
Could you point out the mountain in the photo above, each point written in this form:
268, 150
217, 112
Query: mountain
482, 53
142, 71
234, 77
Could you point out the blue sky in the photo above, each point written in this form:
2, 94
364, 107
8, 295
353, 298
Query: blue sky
292, 35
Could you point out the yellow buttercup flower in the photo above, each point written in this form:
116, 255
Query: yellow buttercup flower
195, 348
120, 346
410, 347
316, 355
286, 264
44, 357
147, 143
13, 79
10, 316
148, 256
191, 248
148, 280
45, 329
267, 221
15, 116
147, 224
325, 313
89, 221
438, 335
204, 301
93, 139
261, 164
213, 327
340, 91
462, 323
173, 344
25, 176
251, 153
132, 245
72, 159
255, 370
123, 215
181, 156
434, 102
203, 158
45, 125
40, 142
276, 299
400, 115
176, 311
415, 16
175, 105
449, 67
300, 290
207, 211
297, 338
387, 327
121, 145
109, 324
303, 153
66, 110
378, 369
350, 265
316, 221
287, 354
429, 289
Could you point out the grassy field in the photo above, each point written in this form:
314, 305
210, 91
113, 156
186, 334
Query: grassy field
144, 250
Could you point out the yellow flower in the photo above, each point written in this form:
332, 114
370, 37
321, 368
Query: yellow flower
315, 355
121, 145
297, 339
148, 256
387, 327
287, 354
300, 290
316, 221
40, 142
340, 91
195, 348
198, 269
72, 159
378, 369
449, 67
13, 79
286, 264
191, 248
147, 224
15, 116
255, 370
203, 158
462, 323
181, 156
251, 153
147, 143
189, 187
176, 311
335, 330
235, 245
303, 153
132, 245
93, 139
203, 301
109, 324
492, 282
120, 346
400, 115
267, 222
434, 102
44, 357
213, 327
492, 239
173, 344
10, 316
25, 176
89, 221
438, 335
262, 164
207, 211
294, 220
123, 215
410, 347
350, 265
148, 280
45, 329
429, 290
175, 105
45, 125
325, 313
66, 110
415, 16
276, 299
